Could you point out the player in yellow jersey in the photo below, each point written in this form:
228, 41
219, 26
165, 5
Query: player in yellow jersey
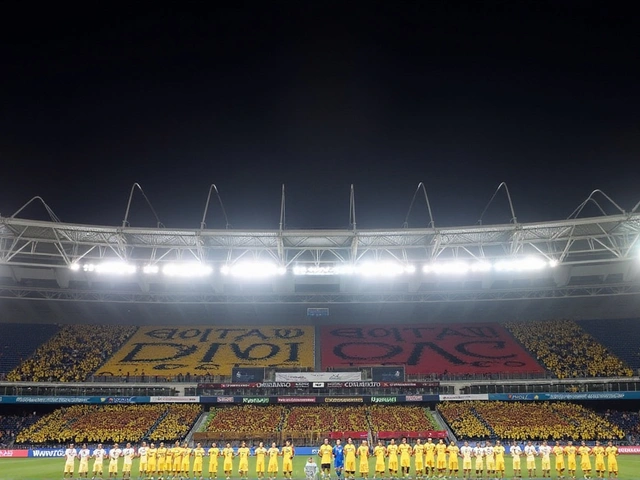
612, 461
272, 468
161, 456
325, 452
453, 450
227, 464
405, 457
213, 453
198, 455
498, 452
570, 451
392, 454
349, 459
177, 458
418, 455
168, 460
598, 452
363, 455
558, 451
441, 457
243, 465
585, 461
287, 459
261, 454
379, 452
429, 458
186, 459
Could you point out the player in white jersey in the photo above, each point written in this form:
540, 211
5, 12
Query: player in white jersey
70, 455
128, 453
516, 452
114, 454
544, 451
143, 454
479, 453
466, 451
84, 454
530, 453
490, 459
98, 454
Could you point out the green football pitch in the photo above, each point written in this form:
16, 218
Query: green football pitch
51, 469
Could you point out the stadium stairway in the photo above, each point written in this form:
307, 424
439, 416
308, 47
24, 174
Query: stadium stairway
484, 422
197, 426
617, 336
157, 422
18, 342
442, 424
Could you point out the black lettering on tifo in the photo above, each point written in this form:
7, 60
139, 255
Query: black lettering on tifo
144, 352
288, 332
388, 351
486, 346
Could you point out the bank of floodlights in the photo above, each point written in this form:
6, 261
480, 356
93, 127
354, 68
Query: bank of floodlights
253, 270
108, 267
186, 270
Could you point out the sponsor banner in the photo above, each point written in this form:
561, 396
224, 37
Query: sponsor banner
298, 385
175, 399
318, 384
384, 399
343, 399
257, 400
424, 434
413, 398
388, 374
437, 348
627, 450
43, 400
209, 350
463, 398
241, 374
297, 399
47, 452
224, 399
14, 453
318, 376
565, 396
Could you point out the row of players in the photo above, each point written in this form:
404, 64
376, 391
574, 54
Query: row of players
430, 459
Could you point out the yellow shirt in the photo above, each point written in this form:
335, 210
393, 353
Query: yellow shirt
287, 453
611, 452
430, 449
363, 451
326, 452
227, 453
349, 451
379, 453
214, 452
441, 449
198, 452
243, 453
418, 450
392, 450
404, 449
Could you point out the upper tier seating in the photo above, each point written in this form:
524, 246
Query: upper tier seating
19, 341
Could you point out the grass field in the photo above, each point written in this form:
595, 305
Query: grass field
51, 468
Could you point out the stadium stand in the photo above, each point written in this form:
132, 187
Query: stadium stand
98, 423
11, 425
610, 333
324, 419
527, 421
177, 422
16, 345
75, 352
248, 419
629, 422
400, 417
568, 351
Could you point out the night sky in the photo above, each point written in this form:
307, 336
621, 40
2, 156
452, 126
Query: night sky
319, 95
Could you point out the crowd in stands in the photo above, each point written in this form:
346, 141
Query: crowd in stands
400, 417
245, 419
627, 421
527, 421
10, 425
72, 354
93, 423
463, 420
567, 350
325, 418
177, 422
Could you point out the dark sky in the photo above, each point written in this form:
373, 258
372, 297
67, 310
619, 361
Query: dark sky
319, 95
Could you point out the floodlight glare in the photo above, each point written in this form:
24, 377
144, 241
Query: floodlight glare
520, 264
115, 267
455, 268
553, 263
380, 269
186, 270
74, 266
151, 269
253, 270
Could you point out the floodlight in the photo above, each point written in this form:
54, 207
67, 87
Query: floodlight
74, 266
110, 267
188, 269
481, 266
457, 267
553, 263
253, 270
